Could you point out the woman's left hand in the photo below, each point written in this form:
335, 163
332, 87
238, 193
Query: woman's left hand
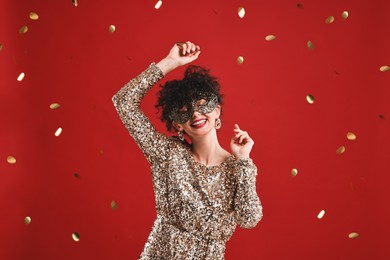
241, 143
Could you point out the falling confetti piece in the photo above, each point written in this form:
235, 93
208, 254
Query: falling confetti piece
329, 20
34, 16
241, 12
23, 29
54, 106
1, 46
353, 235
111, 29
384, 68
321, 214
240, 60
11, 159
310, 45
382, 117
76, 236
76, 175
344, 15
351, 136
114, 206
299, 5
27, 220
74, 2
58, 132
270, 37
340, 150
158, 5
21, 76
310, 99
294, 172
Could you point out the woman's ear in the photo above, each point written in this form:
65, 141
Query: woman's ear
218, 110
177, 126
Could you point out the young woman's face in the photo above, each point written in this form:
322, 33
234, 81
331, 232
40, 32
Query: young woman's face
202, 118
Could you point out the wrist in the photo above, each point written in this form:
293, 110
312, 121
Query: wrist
167, 64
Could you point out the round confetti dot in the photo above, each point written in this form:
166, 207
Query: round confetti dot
270, 37
310, 45
54, 106
329, 20
351, 136
27, 220
353, 235
76, 175
111, 29
74, 2
21, 76
299, 5
321, 214
384, 68
382, 117
158, 4
340, 150
76, 236
11, 159
310, 99
114, 206
240, 60
58, 132
294, 172
241, 12
23, 29
345, 15
34, 16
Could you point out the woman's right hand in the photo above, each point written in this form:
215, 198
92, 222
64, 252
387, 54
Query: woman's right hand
180, 54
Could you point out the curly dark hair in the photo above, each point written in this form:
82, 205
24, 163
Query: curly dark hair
177, 93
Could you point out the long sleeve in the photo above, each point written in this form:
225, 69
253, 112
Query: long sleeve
247, 205
127, 103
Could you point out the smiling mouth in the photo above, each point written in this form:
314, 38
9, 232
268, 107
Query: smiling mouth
199, 123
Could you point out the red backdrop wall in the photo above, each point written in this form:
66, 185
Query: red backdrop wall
93, 180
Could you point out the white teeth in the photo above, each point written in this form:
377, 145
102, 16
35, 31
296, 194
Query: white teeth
199, 122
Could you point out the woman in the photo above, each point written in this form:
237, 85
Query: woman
202, 191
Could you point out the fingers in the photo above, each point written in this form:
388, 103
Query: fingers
240, 136
188, 48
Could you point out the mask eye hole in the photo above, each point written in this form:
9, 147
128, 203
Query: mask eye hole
200, 102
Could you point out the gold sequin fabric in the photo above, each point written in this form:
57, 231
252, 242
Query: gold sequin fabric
198, 206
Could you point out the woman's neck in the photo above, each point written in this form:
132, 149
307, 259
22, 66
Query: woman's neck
207, 150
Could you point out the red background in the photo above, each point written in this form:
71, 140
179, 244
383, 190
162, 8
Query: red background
69, 57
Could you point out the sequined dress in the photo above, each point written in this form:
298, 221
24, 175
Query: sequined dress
198, 206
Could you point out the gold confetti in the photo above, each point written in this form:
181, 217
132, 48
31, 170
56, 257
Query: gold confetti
58, 132
384, 68
353, 235
21, 76
114, 206
241, 12
340, 150
54, 106
34, 16
11, 159
158, 5
27, 220
329, 20
240, 60
344, 15
23, 29
76, 236
310, 99
294, 172
310, 45
111, 29
351, 136
270, 37
74, 2
321, 214
1, 46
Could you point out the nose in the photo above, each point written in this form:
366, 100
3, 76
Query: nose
195, 114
